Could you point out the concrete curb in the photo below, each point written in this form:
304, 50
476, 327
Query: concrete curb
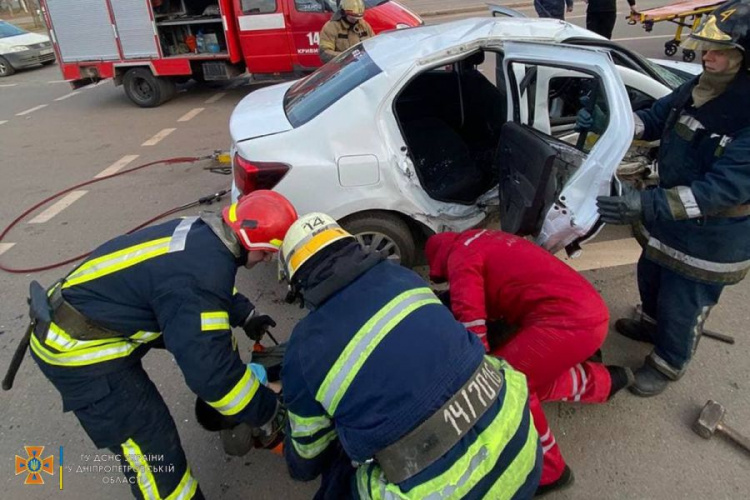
470, 10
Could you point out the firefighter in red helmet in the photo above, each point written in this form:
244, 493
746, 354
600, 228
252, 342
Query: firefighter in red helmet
169, 286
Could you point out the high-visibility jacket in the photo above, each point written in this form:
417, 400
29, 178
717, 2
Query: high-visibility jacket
374, 361
704, 176
173, 281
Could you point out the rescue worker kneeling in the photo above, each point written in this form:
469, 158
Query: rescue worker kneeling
169, 285
388, 396
345, 29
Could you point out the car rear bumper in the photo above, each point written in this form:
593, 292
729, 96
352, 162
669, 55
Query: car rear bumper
31, 57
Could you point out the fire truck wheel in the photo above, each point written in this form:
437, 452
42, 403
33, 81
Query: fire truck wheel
147, 90
5, 68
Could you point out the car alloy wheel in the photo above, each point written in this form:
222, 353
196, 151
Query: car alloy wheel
380, 242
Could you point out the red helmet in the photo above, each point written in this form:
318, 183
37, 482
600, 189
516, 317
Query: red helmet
260, 220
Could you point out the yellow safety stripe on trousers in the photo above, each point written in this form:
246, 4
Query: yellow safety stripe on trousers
214, 320
312, 450
307, 426
364, 342
240, 396
478, 460
185, 490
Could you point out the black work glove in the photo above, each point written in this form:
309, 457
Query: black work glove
624, 209
257, 326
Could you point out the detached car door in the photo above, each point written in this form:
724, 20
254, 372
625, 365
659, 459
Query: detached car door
548, 187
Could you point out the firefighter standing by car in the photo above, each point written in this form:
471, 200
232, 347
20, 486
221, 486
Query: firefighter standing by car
388, 396
170, 284
601, 16
345, 29
695, 226
560, 321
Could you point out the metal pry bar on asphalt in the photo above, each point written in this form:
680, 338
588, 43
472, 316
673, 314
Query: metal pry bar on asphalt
728, 339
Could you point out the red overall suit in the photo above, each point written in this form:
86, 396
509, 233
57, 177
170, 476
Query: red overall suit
561, 319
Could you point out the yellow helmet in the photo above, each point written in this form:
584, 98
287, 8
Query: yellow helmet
725, 28
353, 7
308, 235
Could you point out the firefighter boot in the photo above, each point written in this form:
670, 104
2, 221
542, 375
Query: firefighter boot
640, 331
648, 381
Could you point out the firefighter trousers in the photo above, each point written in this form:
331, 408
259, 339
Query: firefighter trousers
554, 361
123, 411
680, 307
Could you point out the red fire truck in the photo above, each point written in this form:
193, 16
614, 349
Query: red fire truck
148, 46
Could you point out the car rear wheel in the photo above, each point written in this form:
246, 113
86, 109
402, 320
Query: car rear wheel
384, 232
147, 90
5, 68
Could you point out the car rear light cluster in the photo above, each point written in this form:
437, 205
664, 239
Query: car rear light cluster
250, 176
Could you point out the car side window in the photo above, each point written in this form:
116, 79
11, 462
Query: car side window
258, 6
309, 5
639, 100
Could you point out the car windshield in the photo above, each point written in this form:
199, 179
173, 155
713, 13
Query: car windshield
309, 97
7, 30
673, 77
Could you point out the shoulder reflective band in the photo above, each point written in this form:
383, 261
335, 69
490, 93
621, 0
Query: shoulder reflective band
364, 342
240, 396
435, 436
214, 320
127, 257
307, 426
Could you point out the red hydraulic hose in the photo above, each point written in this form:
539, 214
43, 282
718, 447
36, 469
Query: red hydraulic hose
170, 161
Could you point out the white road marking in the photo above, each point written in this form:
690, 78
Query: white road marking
190, 114
605, 254
66, 96
116, 166
3, 121
58, 207
158, 137
8, 84
4, 247
215, 98
31, 110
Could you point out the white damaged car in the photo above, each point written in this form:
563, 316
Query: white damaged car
431, 129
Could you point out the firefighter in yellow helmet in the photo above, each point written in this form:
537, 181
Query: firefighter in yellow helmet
346, 28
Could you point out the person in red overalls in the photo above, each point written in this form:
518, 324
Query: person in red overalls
559, 318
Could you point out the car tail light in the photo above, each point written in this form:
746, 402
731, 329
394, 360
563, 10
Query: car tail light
252, 175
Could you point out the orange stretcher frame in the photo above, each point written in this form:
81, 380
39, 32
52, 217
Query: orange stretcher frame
685, 14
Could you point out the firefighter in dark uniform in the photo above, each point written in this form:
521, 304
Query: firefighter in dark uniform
695, 226
170, 284
388, 396
345, 29
601, 16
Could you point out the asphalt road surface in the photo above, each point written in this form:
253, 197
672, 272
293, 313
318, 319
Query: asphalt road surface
52, 137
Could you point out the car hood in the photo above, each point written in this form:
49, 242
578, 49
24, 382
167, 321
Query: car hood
692, 68
260, 113
25, 39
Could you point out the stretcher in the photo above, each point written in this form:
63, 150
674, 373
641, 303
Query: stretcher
685, 14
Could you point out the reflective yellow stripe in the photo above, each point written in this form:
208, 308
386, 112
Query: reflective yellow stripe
307, 426
481, 456
60, 340
82, 357
186, 489
233, 212
214, 320
241, 394
312, 450
146, 480
117, 261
